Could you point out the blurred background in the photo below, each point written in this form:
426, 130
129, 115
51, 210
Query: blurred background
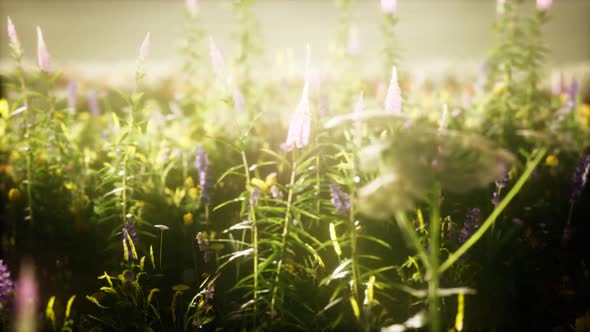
437, 36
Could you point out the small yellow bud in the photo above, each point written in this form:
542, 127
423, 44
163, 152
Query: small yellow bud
187, 219
189, 182
551, 160
14, 194
193, 192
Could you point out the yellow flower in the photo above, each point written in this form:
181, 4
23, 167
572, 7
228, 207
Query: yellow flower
189, 182
551, 160
14, 155
499, 87
193, 192
14, 194
583, 113
187, 219
3, 109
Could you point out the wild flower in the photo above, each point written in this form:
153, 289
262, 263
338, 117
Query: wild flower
43, 57
203, 244
580, 178
162, 227
130, 231
216, 60
340, 199
253, 197
389, 6
93, 103
144, 48
470, 225
300, 125
192, 6
544, 5
13, 41
239, 101
72, 94
393, 100
6, 285
503, 181
572, 91
202, 166
26, 298
500, 7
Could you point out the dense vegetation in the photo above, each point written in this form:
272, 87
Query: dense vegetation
221, 201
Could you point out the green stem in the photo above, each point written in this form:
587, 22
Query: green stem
284, 236
412, 237
29, 153
252, 217
494, 215
433, 283
161, 242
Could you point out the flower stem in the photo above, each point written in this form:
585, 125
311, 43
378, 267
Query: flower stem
252, 218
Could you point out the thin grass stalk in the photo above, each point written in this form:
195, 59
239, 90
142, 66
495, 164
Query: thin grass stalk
494, 215
433, 282
252, 218
284, 233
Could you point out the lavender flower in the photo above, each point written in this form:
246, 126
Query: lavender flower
26, 296
580, 178
216, 60
144, 48
389, 6
470, 225
300, 125
393, 100
72, 92
6, 285
572, 91
202, 166
130, 229
253, 197
544, 5
239, 101
43, 57
340, 199
93, 103
14, 43
192, 6
204, 246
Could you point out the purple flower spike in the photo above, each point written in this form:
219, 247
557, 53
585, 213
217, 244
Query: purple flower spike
129, 228
192, 6
470, 225
216, 60
300, 125
340, 199
14, 43
544, 5
6, 285
580, 178
389, 6
93, 103
202, 166
43, 57
393, 100
72, 92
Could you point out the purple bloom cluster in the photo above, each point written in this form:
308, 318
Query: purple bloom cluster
202, 165
471, 223
129, 228
340, 199
203, 243
580, 178
253, 197
6, 285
